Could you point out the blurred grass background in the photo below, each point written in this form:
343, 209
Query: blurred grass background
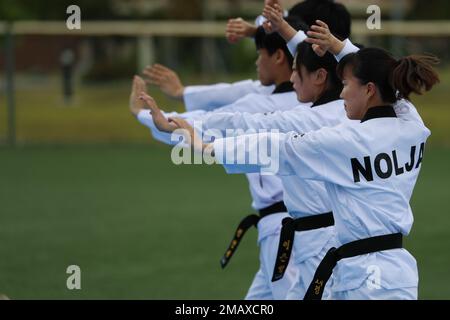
87, 185
99, 112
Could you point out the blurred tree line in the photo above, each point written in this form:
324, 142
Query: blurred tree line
171, 9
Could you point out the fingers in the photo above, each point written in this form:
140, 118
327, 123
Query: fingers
317, 35
318, 50
322, 24
319, 42
320, 29
149, 101
277, 7
270, 13
179, 122
140, 84
134, 85
235, 29
158, 71
155, 76
162, 68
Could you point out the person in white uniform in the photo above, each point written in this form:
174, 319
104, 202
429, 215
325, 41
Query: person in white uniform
274, 65
369, 169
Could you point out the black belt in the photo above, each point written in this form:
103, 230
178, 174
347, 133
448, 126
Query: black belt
287, 235
247, 223
348, 250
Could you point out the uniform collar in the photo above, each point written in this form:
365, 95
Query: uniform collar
284, 87
327, 96
379, 112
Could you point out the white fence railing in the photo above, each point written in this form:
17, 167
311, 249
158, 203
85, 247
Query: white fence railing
207, 28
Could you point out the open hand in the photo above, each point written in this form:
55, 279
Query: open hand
166, 79
135, 103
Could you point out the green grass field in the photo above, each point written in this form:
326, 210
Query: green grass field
142, 228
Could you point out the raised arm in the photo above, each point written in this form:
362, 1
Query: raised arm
276, 22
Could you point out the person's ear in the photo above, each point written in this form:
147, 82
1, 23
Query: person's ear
321, 76
279, 56
371, 89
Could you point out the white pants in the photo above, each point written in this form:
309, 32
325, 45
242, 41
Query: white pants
262, 287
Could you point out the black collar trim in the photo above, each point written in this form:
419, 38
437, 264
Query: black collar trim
284, 87
327, 96
379, 112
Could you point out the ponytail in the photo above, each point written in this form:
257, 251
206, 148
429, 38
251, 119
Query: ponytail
414, 73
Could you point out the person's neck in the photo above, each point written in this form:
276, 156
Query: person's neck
281, 81
283, 75
375, 102
320, 92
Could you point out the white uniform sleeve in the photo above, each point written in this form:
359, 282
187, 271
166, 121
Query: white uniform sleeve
300, 119
292, 44
251, 103
210, 97
249, 153
349, 47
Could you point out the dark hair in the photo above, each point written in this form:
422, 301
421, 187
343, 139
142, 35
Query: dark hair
273, 41
395, 79
335, 15
311, 61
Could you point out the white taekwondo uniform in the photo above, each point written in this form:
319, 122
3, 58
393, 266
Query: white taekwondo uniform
369, 170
